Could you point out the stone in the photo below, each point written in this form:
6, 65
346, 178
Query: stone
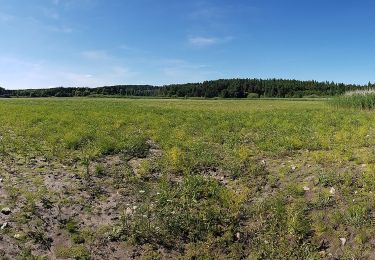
6, 211
128, 211
4, 225
305, 188
343, 241
332, 190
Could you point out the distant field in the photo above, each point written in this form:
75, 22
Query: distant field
154, 178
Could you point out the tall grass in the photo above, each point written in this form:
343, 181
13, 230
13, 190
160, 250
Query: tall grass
355, 100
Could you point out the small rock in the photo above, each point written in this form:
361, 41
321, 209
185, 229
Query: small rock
17, 236
3, 226
343, 241
1, 179
293, 167
332, 190
263, 162
305, 188
238, 235
6, 211
128, 211
141, 191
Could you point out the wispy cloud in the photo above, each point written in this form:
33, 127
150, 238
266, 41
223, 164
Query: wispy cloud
178, 70
96, 55
51, 13
60, 29
6, 17
200, 41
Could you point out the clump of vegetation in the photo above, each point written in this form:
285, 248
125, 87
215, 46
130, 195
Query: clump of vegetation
360, 100
186, 212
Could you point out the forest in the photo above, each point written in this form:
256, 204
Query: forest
222, 88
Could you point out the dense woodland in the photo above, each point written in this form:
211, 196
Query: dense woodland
223, 88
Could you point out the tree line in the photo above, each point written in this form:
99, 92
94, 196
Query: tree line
223, 88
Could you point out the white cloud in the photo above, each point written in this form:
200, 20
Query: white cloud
60, 29
96, 55
51, 13
199, 41
202, 41
6, 17
179, 71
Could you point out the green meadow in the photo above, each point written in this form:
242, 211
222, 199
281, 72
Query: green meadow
189, 179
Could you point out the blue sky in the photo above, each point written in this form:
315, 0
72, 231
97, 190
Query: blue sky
46, 43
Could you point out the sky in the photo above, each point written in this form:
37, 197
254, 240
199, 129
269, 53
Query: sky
76, 43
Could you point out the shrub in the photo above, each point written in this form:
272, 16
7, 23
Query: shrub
360, 101
252, 95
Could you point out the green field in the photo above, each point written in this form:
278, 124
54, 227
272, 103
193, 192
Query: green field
197, 179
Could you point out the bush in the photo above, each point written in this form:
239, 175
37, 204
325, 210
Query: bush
252, 95
360, 101
190, 211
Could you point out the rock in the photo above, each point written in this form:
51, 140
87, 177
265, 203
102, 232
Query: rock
343, 241
4, 225
1, 179
305, 188
6, 211
238, 235
293, 167
332, 190
17, 236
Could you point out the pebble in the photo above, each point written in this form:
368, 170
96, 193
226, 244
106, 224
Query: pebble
6, 211
332, 190
305, 188
128, 211
343, 241
3, 226
17, 236
293, 167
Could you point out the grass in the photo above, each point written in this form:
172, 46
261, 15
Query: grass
358, 100
257, 179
